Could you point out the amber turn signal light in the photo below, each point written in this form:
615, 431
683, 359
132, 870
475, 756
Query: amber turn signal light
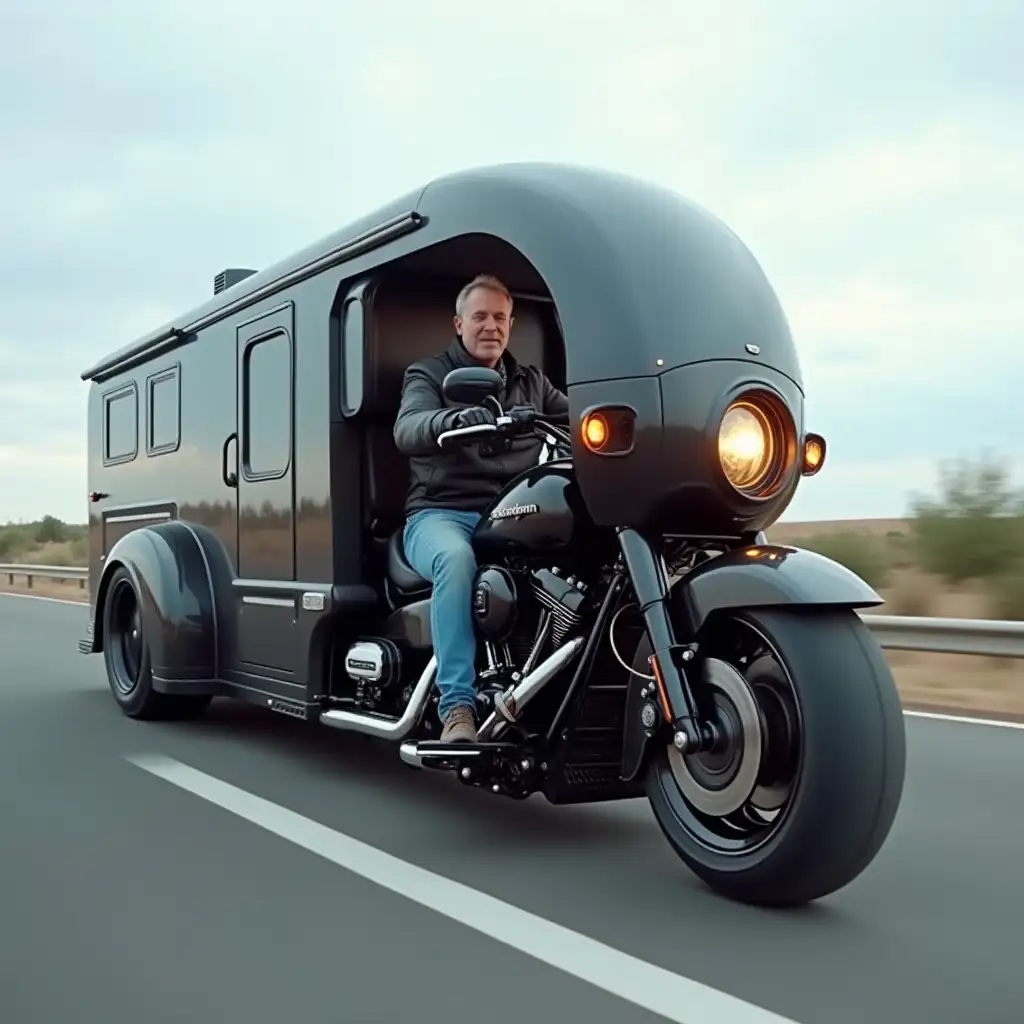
608, 429
814, 454
595, 431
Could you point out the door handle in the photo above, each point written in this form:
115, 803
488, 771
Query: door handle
229, 476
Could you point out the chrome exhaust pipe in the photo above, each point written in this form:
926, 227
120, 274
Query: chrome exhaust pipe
522, 694
387, 728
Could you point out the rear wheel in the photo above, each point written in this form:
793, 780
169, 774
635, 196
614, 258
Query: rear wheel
126, 654
801, 790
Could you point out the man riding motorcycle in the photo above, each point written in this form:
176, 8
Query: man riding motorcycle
448, 491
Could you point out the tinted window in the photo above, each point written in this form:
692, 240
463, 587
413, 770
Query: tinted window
122, 424
268, 406
164, 420
352, 358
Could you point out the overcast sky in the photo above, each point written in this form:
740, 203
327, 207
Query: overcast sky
871, 154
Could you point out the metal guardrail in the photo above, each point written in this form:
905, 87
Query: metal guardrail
994, 638
46, 572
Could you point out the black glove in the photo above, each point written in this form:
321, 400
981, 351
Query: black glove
473, 417
523, 414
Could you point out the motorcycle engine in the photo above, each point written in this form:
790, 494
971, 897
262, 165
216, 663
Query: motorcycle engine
528, 613
495, 603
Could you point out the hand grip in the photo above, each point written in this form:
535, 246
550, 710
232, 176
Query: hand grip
229, 476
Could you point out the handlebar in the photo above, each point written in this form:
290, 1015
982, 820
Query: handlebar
509, 424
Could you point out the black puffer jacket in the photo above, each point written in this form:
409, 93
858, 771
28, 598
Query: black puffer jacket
468, 477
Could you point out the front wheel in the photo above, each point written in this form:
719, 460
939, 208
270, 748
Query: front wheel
801, 789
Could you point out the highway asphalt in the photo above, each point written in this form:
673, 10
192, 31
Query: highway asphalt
131, 897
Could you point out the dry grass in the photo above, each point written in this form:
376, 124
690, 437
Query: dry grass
69, 553
965, 683
960, 683
62, 553
908, 590
991, 686
787, 532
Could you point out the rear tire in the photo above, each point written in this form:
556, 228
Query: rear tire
126, 655
825, 746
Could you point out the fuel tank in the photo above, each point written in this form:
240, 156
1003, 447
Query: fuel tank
540, 511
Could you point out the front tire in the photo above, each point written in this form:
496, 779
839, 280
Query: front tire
126, 655
804, 786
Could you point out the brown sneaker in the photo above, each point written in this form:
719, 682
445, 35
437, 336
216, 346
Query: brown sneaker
459, 726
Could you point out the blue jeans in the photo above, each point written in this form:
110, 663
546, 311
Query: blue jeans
437, 546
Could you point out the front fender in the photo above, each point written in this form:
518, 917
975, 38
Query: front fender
179, 616
760, 576
765, 576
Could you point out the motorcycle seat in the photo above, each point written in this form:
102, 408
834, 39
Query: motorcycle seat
400, 572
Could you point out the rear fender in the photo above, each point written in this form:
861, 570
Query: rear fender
172, 577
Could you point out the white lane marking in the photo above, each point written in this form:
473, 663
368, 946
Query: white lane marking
999, 723
52, 600
936, 715
636, 981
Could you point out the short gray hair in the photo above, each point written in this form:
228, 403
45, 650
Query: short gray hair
488, 281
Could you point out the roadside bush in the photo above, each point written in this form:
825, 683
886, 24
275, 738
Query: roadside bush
54, 554
899, 549
16, 539
1006, 593
860, 554
975, 527
50, 531
80, 551
30, 542
911, 594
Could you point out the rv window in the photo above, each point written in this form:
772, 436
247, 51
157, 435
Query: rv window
164, 416
268, 407
352, 358
122, 424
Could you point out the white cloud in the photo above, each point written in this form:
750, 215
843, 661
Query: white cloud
869, 326
43, 479
873, 176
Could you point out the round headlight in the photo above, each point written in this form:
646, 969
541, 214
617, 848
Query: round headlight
754, 446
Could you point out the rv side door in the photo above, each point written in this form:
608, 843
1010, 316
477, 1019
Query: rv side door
266, 594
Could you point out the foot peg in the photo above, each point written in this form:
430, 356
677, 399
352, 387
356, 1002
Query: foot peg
435, 754
452, 751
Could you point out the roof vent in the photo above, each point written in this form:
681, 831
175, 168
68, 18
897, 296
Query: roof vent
229, 277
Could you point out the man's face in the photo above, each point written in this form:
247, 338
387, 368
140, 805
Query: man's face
485, 324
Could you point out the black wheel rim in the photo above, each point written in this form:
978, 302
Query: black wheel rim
125, 638
765, 806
